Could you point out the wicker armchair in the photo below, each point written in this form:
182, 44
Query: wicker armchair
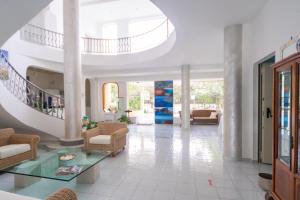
8, 138
108, 136
63, 194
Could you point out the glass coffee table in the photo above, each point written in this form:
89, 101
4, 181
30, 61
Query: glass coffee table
57, 165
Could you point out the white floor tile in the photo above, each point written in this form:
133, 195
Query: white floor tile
163, 163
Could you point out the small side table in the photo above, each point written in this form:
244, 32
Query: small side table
128, 112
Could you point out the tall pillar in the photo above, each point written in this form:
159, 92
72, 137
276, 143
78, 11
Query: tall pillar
232, 136
72, 70
185, 96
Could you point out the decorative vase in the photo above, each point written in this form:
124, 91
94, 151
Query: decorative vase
265, 181
4, 73
298, 45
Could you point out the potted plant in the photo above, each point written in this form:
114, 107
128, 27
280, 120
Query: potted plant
4, 74
124, 119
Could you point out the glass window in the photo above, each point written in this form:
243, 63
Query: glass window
284, 129
207, 94
110, 32
110, 93
177, 98
150, 32
140, 97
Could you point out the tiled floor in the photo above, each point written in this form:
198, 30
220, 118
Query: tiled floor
163, 163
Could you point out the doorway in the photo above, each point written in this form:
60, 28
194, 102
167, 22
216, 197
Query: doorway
141, 102
265, 113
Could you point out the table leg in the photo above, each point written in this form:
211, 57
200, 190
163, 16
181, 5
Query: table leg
90, 176
22, 181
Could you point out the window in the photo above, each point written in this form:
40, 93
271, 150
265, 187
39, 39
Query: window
110, 94
151, 32
110, 31
140, 96
207, 94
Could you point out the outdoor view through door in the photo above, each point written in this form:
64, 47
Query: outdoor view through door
205, 95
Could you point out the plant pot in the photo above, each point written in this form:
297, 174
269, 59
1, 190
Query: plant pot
265, 181
4, 75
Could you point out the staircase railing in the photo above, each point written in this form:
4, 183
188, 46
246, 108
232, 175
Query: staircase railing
124, 45
29, 93
38, 35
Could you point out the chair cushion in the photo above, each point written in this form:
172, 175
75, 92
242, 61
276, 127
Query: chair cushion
101, 139
13, 149
213, 115
202, 118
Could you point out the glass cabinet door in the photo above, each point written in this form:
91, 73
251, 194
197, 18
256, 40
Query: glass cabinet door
284, 132
298, 121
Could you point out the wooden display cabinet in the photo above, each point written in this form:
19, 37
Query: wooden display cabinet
286, 129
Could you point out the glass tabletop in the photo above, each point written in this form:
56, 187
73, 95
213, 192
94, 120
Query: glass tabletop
51, 166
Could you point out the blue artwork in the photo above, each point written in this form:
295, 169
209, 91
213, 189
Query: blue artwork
163, 102
3, 56
164, 115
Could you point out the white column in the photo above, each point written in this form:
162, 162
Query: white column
72, 70
95, 99
232, 137
185, 96
83, 93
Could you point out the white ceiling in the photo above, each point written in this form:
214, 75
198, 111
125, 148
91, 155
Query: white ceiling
199, 28
113, 10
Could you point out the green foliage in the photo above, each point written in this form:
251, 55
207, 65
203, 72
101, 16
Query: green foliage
91, 125
138, 89
208, 92
87, 124
125, 119
135, 103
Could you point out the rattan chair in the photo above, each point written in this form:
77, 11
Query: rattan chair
107, 136
63, 194
9, 137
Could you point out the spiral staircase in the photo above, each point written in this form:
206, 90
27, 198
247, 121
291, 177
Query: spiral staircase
23, 105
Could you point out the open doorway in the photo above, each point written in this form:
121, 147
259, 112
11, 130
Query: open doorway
265, 113
141, 102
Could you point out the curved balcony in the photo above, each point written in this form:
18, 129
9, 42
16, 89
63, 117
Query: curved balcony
118, 46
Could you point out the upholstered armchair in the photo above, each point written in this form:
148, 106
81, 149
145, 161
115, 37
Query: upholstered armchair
107, 136
15, 148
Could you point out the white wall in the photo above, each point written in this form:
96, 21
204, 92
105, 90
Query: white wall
264, 35
46, 79
51, 17
16, 13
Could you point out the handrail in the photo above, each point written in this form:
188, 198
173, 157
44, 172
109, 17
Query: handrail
39, 35
29, 93
123, 45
